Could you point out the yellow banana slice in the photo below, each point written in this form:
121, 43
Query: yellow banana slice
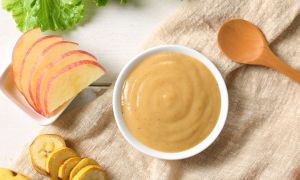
56, 159
91, 172
42, 147
66, 168
83, 163
7, 174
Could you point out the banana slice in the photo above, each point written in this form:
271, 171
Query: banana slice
66, 168
91, 172
83, 163
7, 174
56, 159
41, 148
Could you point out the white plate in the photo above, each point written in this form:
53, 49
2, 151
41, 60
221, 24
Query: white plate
7, 86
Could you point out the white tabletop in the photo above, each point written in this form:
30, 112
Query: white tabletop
113, 33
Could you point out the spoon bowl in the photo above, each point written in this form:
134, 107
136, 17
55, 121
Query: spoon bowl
243, 42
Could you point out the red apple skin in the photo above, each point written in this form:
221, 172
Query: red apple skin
30, 49
24, 60
16, 48
49, 66
36, 63
63, 70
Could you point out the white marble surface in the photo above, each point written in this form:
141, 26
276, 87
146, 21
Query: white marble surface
113, 34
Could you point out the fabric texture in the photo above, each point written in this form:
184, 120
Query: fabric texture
261, 137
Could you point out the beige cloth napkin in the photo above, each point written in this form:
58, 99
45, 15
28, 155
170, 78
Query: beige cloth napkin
261, 138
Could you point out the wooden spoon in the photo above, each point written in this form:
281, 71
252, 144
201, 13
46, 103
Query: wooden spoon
244, 43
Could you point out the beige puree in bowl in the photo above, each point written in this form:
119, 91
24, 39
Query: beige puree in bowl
170, 102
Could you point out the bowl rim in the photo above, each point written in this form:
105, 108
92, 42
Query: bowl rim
116, 103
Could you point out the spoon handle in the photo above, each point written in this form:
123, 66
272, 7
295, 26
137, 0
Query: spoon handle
274, 62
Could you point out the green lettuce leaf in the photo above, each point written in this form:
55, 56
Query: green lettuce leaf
104, 2
47, 14
101, 2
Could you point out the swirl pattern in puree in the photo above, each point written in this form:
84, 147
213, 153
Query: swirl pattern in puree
170, 102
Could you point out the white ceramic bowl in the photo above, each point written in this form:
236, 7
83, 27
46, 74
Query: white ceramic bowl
166, 155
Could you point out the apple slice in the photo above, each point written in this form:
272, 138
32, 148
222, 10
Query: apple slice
20, 49
68, 82
30, 57
50, 54
39, 84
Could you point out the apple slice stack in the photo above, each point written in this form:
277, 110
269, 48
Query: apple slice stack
49, 71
